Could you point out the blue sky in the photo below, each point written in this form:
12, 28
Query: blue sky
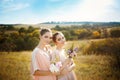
37, 11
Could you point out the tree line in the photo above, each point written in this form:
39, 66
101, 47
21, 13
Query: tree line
18, 39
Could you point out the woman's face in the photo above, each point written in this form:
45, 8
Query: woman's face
46, 38
60, 39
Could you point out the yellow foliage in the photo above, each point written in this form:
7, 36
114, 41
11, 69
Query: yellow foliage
96, 34
78, 31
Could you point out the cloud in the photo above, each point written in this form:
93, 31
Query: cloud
15, 7
11, 5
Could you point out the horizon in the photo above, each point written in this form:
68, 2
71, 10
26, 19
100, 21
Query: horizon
40, 11
54, 22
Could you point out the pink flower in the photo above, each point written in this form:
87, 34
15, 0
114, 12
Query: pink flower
58, 64
55, 67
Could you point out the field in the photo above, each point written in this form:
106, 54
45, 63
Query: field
16, 65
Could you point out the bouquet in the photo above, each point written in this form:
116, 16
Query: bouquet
55, 65
72, 52
69, 61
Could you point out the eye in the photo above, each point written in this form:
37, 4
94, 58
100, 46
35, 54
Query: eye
59, 39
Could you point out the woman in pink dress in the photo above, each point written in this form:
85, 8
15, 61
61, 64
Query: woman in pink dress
40, 58
67, 72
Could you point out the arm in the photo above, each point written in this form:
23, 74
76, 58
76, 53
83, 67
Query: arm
69, 65
45, 73
36, 66
66, 62
42, 73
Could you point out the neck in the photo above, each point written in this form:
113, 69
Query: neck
41, 45
59, 47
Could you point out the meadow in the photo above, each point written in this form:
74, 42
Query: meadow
16, 65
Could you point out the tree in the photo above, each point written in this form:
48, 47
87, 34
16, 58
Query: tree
96, 34
57, 27
21, 30
20, 44
115, 32
36, 33
31, 43
67, 35
8, 45
30, 29
84, 34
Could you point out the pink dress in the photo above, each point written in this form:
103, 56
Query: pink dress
40, 61
61, 54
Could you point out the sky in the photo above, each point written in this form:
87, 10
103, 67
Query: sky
38, 11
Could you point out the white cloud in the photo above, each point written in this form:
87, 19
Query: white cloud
15, 7
12, 5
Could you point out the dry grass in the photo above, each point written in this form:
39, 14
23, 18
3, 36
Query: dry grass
95, 67
16, 65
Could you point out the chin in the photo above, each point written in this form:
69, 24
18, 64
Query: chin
62, 44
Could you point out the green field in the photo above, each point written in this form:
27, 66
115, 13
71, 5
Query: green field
16, 65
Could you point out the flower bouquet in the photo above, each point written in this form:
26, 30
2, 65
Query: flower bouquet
55, 65
72, 52
69, 61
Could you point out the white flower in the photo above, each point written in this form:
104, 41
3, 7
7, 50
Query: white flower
53, 68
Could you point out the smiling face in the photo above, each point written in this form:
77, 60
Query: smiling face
46, 37
59, 39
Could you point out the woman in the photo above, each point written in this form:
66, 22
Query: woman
41, 59
67, 72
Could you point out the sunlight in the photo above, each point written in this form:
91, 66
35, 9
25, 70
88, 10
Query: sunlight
87, 10
93, 9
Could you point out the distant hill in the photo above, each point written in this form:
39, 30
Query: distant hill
80, 23
53, 24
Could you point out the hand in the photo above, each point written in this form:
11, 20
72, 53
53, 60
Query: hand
64, 71
71, 67
73, 54
56, 73
65, 63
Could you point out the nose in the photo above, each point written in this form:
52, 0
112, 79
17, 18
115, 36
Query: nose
63, 40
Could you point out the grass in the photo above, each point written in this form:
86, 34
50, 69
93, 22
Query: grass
16, 65
95, 67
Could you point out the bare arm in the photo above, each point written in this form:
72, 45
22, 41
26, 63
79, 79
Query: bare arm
42, 73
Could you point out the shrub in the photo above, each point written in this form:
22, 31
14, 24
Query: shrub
111, 46
115, 32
